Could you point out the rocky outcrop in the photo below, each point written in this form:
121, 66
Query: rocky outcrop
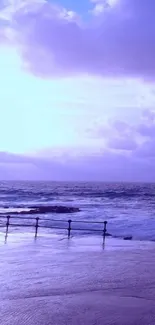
47, 209
128, 238
108, 235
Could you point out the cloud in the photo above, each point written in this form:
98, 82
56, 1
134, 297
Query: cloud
102, 5
106, 166
137, 138
146, 130
52, 167
122, 144
9, 158
147, 127
146, 150
124, 153
54, 42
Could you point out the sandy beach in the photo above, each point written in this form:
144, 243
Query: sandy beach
56, 281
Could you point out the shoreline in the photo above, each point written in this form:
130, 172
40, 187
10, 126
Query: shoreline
87, 242
76, 281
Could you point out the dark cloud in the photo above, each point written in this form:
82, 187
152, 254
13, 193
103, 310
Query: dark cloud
121, 44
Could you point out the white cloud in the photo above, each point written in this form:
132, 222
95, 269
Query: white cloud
100, 6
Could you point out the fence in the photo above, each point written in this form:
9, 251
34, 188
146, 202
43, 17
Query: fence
11, 221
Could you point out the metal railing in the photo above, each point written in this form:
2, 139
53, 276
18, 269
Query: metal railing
11, 221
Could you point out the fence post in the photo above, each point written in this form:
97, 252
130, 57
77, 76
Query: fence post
69, 228
36, 227
104, 230
7, 227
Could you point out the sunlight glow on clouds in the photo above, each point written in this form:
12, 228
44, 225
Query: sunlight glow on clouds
77, 94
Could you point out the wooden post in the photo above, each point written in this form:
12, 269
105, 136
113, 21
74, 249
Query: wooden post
104, 230
69, 228
36, 227
7, 227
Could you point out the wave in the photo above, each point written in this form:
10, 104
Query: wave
111, 194
7, 210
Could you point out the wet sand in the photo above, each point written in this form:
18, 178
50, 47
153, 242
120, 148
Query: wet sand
56, 281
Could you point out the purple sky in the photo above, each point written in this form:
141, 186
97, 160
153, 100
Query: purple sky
77, 95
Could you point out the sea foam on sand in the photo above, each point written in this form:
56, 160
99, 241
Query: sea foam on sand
57, 281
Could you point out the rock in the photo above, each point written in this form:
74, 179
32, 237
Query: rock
46, 209
108, 235
53, 209
128, 238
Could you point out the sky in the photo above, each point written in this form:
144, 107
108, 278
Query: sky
77, 90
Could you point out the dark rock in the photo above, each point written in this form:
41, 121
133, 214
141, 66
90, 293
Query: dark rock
46, 209
128, 238
108, 235
54, 209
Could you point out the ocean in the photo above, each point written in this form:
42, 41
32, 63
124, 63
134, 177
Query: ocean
129, 209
